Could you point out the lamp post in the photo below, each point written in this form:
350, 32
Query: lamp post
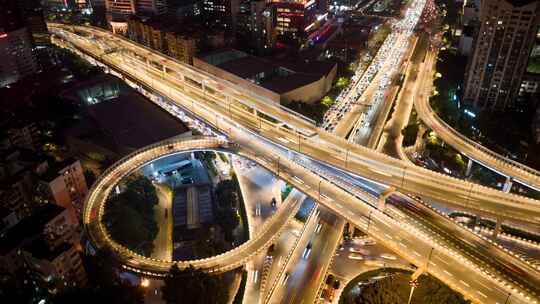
429, 257
413, 284
507, 298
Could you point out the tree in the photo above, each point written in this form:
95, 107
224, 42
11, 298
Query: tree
228, 219
89, 177
193, 285
409, 134
130, 215
226, 194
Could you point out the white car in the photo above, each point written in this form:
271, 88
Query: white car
388, 256
367, 242
318, 228
307, 251
286, 278
355, 256
352, 249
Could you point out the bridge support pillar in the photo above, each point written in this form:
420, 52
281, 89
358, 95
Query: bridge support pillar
419, 144
497, 229
507, 184
469, 168
476, 220
350, 229
383, 196
417, 273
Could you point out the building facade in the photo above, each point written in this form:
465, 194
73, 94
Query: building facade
118, 11
255, 25
221, 13
16, 47
65, 185
45, 246
183, 48
294, 18
501, 50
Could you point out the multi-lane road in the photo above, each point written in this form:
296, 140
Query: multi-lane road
336, 152
470, 148
293, 131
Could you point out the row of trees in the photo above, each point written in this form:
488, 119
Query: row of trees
194, 286
227, 197
129, 215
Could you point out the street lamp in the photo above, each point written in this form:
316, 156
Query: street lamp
507, 298
429, 256
413, 283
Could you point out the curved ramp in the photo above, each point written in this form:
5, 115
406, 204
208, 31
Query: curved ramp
95, 205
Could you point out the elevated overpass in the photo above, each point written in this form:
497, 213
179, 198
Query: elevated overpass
503, 165
216, 100
259, 129
94, 209
450, 264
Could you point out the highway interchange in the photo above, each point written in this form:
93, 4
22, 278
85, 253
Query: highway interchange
280, 140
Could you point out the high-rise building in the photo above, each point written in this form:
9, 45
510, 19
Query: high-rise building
46, 246
133, 7
64, 184
502, 45
17, 58
118, 11
181, 47
294, 18
163, 35
221, 13
252, 21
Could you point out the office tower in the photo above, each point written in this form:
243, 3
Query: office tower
118, 11
221, 13
181, 47
133, 7
503, 42
294, 18
251, 24
33, 16
17, 59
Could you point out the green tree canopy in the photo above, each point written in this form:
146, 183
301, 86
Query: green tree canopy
193, 286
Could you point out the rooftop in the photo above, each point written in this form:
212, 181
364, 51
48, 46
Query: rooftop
279, 75
40, 250
126, 123
28, 228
